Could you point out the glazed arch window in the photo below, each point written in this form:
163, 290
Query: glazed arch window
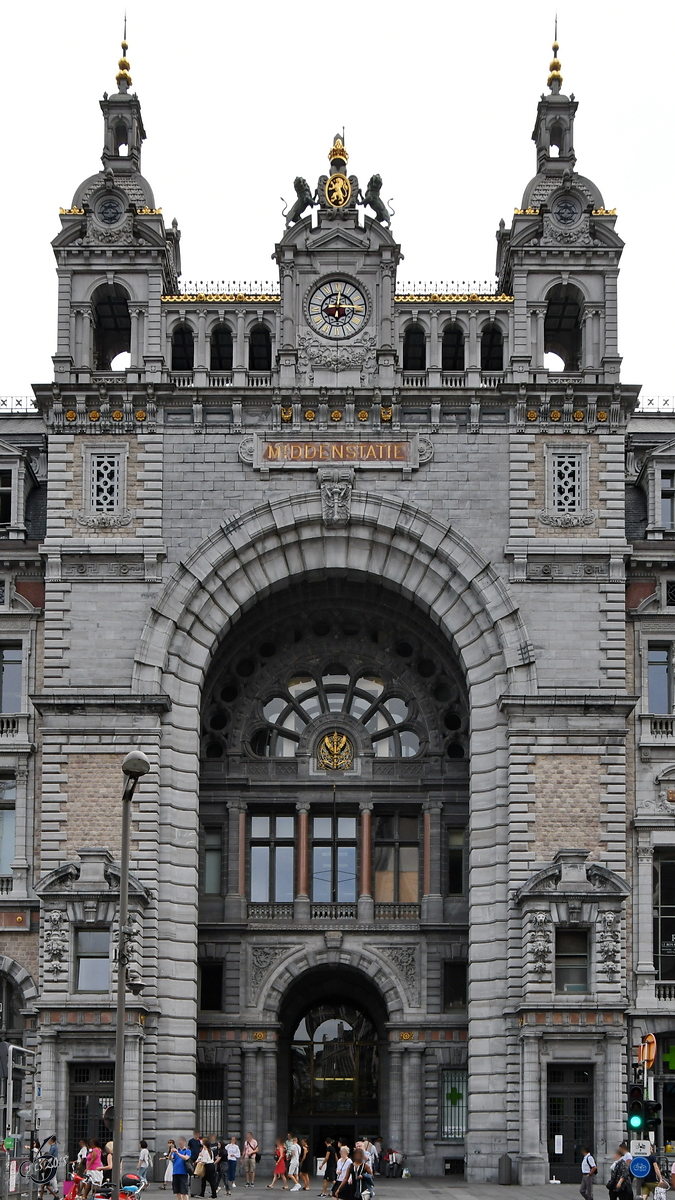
386, 717
492, 348
182, 349
452, 351
272, 859
414, 349
397, 855
221, 348
259, 349
334, 859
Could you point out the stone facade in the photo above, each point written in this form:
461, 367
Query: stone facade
349, 562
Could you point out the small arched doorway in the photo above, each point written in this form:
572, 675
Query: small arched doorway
333, 1069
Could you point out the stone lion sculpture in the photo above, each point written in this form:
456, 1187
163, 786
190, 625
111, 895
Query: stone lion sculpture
305, 200
373, 199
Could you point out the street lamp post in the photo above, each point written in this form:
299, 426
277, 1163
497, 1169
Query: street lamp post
135, 764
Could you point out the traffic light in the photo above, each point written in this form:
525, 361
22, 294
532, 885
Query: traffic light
636, 1107
652, 1118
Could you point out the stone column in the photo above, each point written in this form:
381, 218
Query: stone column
269, 1129
134, 317
432, 900
539, 317
288, 322
366, 908
413, 1145
386, 318
249, 1088
642, 916
240, 348
301, 907
87, 339
394, 1135
235, 899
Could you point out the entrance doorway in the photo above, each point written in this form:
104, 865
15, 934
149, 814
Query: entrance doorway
570, 1118
333, 1036
91, 1091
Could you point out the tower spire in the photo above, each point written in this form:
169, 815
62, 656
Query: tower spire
555, 79
123, 78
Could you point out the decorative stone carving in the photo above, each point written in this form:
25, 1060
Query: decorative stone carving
540, 942
564, 572
608, 944
56, 943
103, 520
425, 450
333, 939
336, 485
553, 235
120, 235
130, 953
567, 520
246, 450
360, 353
263, 959
405, 959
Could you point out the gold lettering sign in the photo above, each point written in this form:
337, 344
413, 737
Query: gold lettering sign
364, 453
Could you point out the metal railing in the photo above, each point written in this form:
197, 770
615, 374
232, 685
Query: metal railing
334, 912
397, 912
228, 287
447, 287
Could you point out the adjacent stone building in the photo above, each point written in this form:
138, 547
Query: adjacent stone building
349, 562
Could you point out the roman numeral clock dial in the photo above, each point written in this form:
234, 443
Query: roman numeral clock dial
337, 309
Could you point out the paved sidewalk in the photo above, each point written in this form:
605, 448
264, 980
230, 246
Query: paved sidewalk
420, 1188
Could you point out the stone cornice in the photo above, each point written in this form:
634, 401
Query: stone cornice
115, 701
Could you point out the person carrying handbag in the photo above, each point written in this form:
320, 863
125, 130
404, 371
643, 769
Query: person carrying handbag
206, 1168
588, 1170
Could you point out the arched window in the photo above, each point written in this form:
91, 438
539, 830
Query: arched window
562, 325
453, 349
259, 349
112, 325
182, 349
492, 349
11, 1021
121, 140
414, 349
221, 348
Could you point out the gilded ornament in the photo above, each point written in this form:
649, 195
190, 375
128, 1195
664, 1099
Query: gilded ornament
71, 212
70, 415
336, 752
260, 1035
363, 415
338, 191
336, 415
406, 1035
555, 415
386, 413
117, 415
578, 415
141, 415
310, 415
94, 415
532, 414
602, 416
286, 412
148, 212
603, 212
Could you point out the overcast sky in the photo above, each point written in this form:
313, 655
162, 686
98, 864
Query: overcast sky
439, 98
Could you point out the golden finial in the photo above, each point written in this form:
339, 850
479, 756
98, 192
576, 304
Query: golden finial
123, 78
337, 150
555, 79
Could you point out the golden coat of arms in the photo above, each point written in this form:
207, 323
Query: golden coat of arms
338, 191
336, 752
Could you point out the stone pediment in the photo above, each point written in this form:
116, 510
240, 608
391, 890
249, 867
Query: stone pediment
337, 237
571, 874
96, 874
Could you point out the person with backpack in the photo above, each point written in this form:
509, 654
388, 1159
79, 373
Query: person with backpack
250, 1157
588, 1170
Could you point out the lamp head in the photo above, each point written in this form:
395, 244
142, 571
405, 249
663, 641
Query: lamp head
136, 764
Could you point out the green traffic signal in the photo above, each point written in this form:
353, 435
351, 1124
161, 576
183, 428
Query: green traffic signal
635, 1120
636, 1106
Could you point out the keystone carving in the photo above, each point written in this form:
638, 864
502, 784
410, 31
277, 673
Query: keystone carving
312, 353
336, 485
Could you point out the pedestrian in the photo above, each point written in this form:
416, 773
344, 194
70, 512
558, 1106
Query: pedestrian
294, 1164
52, 1151
588, 1170
93, 1173
195, 1145
79, 1163
304, 1164
249, 1156
208, 1168
653, 1179
328, 1166
353, 1176
619, 1184
180, 1180
233, 1155
168, 1174
344, 1163
627, 1156
144, 1163
279, 1165
107, 1162
378, 1154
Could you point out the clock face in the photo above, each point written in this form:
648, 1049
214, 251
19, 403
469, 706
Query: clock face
337, 309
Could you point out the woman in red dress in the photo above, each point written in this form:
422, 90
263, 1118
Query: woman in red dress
280, 1165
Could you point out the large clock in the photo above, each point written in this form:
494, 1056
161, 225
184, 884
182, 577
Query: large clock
337, 309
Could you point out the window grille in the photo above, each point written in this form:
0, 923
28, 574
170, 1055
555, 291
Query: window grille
453, 1103
210, 1096
670, 594
105, 482
566, 482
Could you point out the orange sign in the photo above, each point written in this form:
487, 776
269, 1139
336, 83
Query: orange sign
647, 1053
362, 453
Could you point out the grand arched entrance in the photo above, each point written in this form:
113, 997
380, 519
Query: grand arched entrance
332, 1056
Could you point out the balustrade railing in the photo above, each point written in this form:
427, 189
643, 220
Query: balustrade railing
664, 991
490, 380
397, 912
333, 912
662, 727
182, 379
415, 379
270, 912
221, 380
260, 379
6, 884
452, 379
